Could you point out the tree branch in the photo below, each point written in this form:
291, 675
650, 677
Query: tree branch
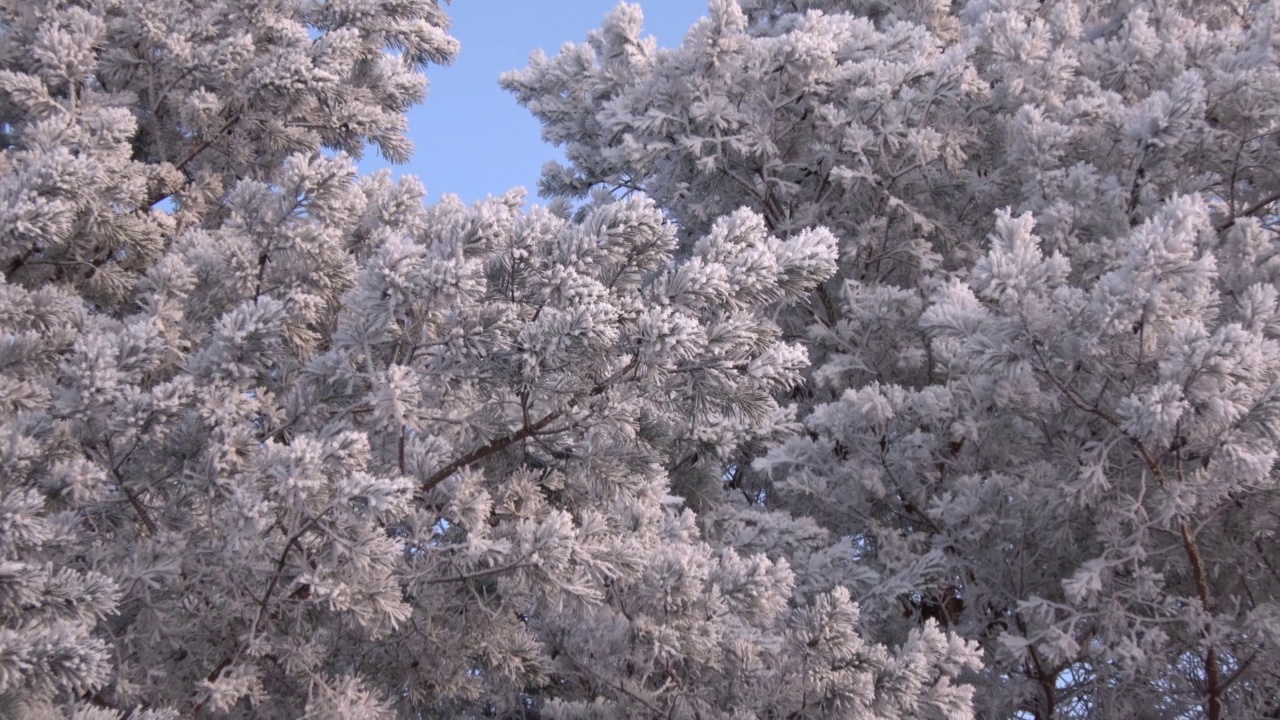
195, 151
1249, 211
266, 599
1213, 682
495, 446
138, 507
527, 431
511, 567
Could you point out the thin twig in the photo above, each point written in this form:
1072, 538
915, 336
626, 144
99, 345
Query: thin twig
1213, 684
527, 431
1260, 205
138, 507
520, 564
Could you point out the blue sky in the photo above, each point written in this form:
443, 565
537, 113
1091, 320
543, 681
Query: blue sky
470, 137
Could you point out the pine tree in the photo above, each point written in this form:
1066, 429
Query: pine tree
277, 440
1041, 404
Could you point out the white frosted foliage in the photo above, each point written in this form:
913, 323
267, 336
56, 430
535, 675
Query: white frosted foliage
874, 359
1040, 406
277, 440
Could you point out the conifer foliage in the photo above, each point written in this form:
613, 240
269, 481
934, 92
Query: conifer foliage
873, 359
1042, 405
281, 441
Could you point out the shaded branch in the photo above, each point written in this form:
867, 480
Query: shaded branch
1249, 211
520, 564
1213, 682
497, 445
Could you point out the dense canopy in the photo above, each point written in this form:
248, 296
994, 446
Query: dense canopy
870, 359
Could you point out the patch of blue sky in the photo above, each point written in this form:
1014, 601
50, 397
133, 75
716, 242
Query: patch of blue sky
471, 138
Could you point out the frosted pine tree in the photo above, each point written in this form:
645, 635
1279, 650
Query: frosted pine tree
1040, 406
106, 110
280, 441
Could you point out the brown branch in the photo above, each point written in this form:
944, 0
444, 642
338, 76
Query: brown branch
16, 264
1239, 671
512, 567
1256, 207
191, 154
138, 507
585, 671
527, 431
1213, 682
279, 570
495, 446
1075, 400
400, 450
1046, 680
266, 599
263, 257
198, 712
827, 305
195, 151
